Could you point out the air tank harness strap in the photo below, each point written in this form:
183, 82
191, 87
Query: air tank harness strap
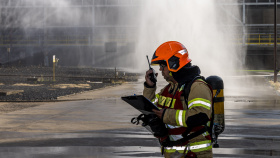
188, 85
218, 91
186, 138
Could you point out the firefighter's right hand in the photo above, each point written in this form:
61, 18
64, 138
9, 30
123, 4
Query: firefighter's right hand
147, 77
157, 126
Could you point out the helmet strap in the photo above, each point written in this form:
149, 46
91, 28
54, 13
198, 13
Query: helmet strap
170, 73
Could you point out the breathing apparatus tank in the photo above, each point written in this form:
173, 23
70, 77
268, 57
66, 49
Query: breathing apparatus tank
218, 113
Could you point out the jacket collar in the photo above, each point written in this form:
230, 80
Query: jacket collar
186, 74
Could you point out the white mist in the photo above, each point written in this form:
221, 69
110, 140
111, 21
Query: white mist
204, 27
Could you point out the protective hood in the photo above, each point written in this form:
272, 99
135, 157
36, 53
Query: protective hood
186, 74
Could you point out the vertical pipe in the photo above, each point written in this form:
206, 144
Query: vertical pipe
44, 33
92, 33
275, 41
244, 23
9, 51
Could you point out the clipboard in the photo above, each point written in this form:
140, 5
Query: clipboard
140, 103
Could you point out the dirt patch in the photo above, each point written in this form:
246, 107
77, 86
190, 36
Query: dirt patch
25, 84
64, 86
10, 107
69, 80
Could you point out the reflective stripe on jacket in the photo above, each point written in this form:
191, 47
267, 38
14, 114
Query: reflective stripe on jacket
175, 117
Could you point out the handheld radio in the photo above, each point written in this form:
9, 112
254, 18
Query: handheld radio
153, 76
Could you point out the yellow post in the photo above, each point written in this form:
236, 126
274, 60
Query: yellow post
53, 67
259, 39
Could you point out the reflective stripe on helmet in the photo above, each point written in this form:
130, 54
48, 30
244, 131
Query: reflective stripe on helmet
199, 102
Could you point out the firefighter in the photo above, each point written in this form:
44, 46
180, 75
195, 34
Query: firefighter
181, 115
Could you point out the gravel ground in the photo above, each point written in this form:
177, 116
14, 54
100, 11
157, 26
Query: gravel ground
37, 84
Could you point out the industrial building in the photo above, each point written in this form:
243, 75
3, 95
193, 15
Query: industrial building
258, 21
78, 32
100, 33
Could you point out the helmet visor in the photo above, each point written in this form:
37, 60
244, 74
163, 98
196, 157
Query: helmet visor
173, 63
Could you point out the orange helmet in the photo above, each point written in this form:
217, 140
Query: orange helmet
173, 53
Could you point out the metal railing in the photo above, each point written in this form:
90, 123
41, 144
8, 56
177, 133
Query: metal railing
65, 40
66, 3
40, 40
261, 39
74, 40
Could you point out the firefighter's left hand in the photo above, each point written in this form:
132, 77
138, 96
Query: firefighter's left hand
158, 113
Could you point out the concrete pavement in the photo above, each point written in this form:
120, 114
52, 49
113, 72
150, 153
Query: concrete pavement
97, 124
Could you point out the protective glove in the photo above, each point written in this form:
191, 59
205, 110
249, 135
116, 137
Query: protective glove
157, 126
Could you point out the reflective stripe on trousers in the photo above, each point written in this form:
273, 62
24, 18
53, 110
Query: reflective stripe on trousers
194, 148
